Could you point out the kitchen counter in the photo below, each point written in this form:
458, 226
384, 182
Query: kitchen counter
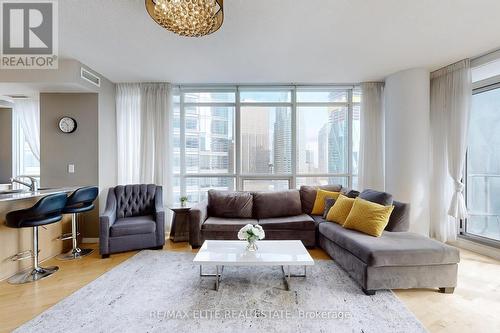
40, 193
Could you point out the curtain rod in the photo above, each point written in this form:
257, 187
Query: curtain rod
485, 58
264, 85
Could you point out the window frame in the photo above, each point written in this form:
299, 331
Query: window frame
237, 174
477, 88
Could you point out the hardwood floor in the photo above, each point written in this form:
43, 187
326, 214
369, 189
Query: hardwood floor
472, 308
475, 305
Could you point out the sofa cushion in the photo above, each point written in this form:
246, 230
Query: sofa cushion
133, 226
298, 222
392, 248
226, 224
318, 218
276, 204
382, 198
400, 217
308, 195
230, 204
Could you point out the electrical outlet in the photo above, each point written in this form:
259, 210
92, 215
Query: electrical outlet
71, 168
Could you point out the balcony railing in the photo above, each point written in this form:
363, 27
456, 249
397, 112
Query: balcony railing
487, 220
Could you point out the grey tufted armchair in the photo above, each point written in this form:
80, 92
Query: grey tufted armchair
134, 219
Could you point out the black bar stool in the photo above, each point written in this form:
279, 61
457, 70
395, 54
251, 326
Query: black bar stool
80, 201
46, 211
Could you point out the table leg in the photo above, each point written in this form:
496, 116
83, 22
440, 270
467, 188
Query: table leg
173, 226
217, 275
217, 278
288, 275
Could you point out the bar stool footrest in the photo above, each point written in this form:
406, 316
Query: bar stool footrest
28, 254
67, 236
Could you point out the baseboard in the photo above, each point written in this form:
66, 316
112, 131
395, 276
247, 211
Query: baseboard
90, 240
485, 250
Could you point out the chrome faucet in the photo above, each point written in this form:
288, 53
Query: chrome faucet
33, 186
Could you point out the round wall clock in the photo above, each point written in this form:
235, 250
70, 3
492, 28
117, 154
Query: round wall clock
67, 125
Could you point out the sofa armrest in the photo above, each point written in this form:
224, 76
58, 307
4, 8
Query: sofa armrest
106, 220
159, 217
197, 216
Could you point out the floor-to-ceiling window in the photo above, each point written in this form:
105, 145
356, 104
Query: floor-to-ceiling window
483, 157
483, 165
264, 138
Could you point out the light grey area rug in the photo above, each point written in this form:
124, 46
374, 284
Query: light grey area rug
160, 291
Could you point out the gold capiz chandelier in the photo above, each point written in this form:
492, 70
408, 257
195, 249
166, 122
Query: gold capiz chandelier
191, 18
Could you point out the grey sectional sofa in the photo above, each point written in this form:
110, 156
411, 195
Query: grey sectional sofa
397, 260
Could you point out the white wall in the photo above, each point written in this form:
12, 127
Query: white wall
407, 131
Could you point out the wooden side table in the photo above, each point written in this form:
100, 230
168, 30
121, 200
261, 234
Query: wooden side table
179, 231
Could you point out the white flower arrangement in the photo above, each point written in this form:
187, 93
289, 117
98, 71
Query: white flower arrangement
251, 233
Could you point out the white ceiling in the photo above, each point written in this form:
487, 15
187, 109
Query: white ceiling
280, 41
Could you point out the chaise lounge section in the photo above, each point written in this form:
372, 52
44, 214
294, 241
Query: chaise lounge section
396, 260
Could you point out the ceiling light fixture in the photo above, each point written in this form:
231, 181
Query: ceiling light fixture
191, 18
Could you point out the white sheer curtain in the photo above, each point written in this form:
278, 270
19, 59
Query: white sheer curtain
156, 111
451, 91
371, 148
144, 113
27, 112
128, 121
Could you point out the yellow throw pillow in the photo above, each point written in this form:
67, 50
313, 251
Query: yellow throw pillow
319, 203
368, 217
340, 210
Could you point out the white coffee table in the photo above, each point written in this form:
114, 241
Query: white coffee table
220, 253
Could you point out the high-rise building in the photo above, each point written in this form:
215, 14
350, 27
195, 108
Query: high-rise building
323, 144
208, 141
337, 137
282, 150
255, 150
309, 153
209, 147
336, 141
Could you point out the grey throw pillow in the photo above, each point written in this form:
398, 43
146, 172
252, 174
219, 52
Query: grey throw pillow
350, 193
400, 217
329, 202
381, 198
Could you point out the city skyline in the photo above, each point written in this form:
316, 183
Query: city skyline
265, 141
